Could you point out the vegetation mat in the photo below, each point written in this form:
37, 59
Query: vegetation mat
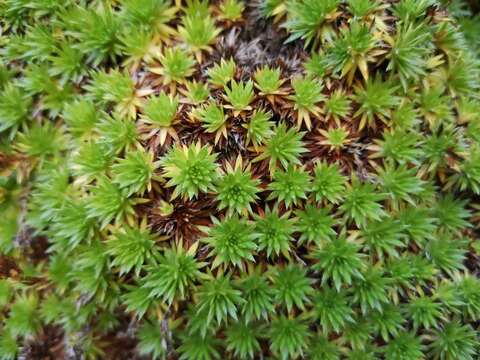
269, 179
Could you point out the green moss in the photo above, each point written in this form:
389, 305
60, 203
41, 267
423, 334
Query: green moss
203, 179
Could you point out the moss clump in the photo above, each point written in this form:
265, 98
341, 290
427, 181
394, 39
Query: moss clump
273, 179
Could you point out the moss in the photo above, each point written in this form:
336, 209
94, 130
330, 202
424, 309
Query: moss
202, 179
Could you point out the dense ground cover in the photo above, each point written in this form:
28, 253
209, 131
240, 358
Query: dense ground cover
262, 179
